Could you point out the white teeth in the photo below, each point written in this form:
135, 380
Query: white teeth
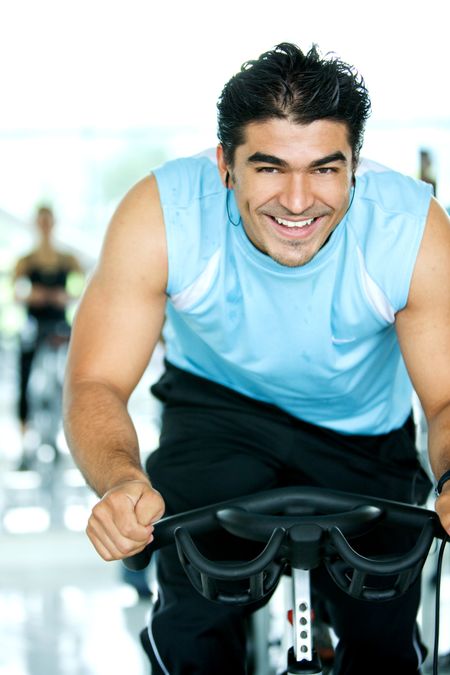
294, 223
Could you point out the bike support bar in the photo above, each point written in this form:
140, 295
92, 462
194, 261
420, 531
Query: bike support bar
302, 618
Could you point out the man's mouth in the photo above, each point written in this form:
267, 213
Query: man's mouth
294, 223
295, 228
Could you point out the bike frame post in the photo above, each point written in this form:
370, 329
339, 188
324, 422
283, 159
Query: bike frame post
305, 544
302, 657
302, 618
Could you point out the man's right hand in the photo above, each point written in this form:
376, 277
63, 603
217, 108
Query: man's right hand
121, 523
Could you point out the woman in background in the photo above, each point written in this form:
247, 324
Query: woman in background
41, 287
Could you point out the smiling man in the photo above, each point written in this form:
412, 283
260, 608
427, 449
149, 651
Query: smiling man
292, 185
302, 294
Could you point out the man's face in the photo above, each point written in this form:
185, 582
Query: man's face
292, 185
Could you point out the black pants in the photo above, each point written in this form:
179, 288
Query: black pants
35, 334
216, 445
25, 363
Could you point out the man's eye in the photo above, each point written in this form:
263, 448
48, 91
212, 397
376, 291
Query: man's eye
325, 170
267, 169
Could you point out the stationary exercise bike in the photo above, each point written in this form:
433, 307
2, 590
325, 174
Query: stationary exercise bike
44, 393
301, 528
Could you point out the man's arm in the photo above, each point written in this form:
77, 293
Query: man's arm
423, 329
116, 327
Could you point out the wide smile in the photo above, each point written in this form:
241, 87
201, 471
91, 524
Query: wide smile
294, 223
295, 228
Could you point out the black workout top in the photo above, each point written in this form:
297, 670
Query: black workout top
50, 276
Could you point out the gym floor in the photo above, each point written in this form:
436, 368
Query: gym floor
63, 611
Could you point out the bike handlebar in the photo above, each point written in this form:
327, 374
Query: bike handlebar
301, 527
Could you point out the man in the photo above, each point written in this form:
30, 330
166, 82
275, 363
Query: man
289, 285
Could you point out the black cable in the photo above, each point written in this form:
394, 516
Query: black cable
437, 606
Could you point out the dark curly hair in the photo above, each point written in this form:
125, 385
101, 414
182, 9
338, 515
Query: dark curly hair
285, 83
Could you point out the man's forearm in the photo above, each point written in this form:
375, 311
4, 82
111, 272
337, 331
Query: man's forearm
439, 452
439, 442
101, 436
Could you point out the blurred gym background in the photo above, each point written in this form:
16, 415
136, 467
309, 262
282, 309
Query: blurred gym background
95, 94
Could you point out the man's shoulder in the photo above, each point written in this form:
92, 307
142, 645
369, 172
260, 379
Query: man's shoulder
389, 190
183, 179
369, 165
387, 221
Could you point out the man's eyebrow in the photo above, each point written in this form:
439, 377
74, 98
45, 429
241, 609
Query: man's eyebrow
334, 157
262, 158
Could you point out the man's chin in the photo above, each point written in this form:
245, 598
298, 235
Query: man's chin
292, 259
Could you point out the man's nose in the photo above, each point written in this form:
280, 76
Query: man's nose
296, 194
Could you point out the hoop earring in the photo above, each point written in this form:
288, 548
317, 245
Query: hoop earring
228, 211
353, 194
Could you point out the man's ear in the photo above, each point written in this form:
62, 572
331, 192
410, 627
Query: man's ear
223, 168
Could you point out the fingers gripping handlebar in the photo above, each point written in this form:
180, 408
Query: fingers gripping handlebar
301, 527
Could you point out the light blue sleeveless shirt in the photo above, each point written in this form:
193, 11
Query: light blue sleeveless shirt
318, 341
